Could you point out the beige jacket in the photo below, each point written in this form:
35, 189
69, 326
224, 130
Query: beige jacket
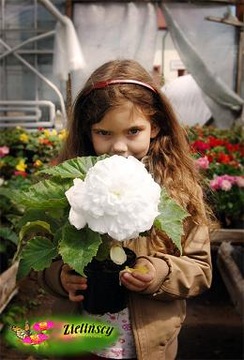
157, 313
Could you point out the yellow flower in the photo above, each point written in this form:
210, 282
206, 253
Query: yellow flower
53, 132
63, 134
46, 132
24, 138
38, 163
21, 166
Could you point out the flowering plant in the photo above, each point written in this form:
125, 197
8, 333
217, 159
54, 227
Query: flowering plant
219, 155
23, 152
86, 207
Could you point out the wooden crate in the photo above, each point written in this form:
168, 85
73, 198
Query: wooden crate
231, 275
8, 286
232, 235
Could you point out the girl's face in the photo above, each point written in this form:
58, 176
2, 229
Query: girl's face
124, 131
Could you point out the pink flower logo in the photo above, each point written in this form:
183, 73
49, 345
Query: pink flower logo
35, 339
43, 325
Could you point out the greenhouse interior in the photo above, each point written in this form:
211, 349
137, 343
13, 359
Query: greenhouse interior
194, 52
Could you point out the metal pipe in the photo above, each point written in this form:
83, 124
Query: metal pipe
21, 107
35, 38
42, 77
53, 10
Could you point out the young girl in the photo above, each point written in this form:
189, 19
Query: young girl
121, 111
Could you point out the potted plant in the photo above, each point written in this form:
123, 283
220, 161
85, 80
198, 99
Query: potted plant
83, 210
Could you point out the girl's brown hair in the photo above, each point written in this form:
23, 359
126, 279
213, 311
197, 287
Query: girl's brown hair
169, 158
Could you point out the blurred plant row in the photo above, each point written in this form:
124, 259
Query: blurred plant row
22, 154
219, 154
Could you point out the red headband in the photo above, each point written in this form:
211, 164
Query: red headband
103, 84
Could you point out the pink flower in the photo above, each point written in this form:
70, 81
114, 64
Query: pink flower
225, 185
240, 181
223, 182
202, 163
230, 178
214, 184
4, 150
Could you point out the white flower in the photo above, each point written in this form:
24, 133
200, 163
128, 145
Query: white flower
118, 197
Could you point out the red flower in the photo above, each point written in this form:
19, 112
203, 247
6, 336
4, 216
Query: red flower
232, 147
45, 142
20, 173
214, 142
200, 146
224, 158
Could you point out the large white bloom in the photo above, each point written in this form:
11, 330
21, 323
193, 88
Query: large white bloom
118, 197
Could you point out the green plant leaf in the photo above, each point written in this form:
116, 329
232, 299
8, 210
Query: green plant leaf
33, 228
78, 247
45, 251
7, 234
45, 194
43, 215
170, 218
73, 168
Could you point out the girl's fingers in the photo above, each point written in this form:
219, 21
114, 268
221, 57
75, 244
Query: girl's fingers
74, 297
72, 282
134, 284
139, 278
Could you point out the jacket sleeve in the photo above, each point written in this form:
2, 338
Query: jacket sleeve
188, 275
49, 279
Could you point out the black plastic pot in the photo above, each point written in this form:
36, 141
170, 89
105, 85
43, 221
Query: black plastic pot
104, 292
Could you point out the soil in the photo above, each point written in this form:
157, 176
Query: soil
212, 330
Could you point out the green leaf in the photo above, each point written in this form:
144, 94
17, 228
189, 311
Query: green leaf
42, 215
34, 227
170, 218
73, 168
78, 247
45, 194
7, 234
45, 251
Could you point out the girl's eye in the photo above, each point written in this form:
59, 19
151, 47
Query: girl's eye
102, 132
134, 131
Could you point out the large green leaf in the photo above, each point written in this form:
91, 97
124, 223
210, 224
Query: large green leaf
170, 218
78, 247
73, 168
45, 251
45, 194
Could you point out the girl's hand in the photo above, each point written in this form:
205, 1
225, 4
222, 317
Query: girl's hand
72, 282
137, 280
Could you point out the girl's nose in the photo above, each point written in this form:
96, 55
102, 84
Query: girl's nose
119, 148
